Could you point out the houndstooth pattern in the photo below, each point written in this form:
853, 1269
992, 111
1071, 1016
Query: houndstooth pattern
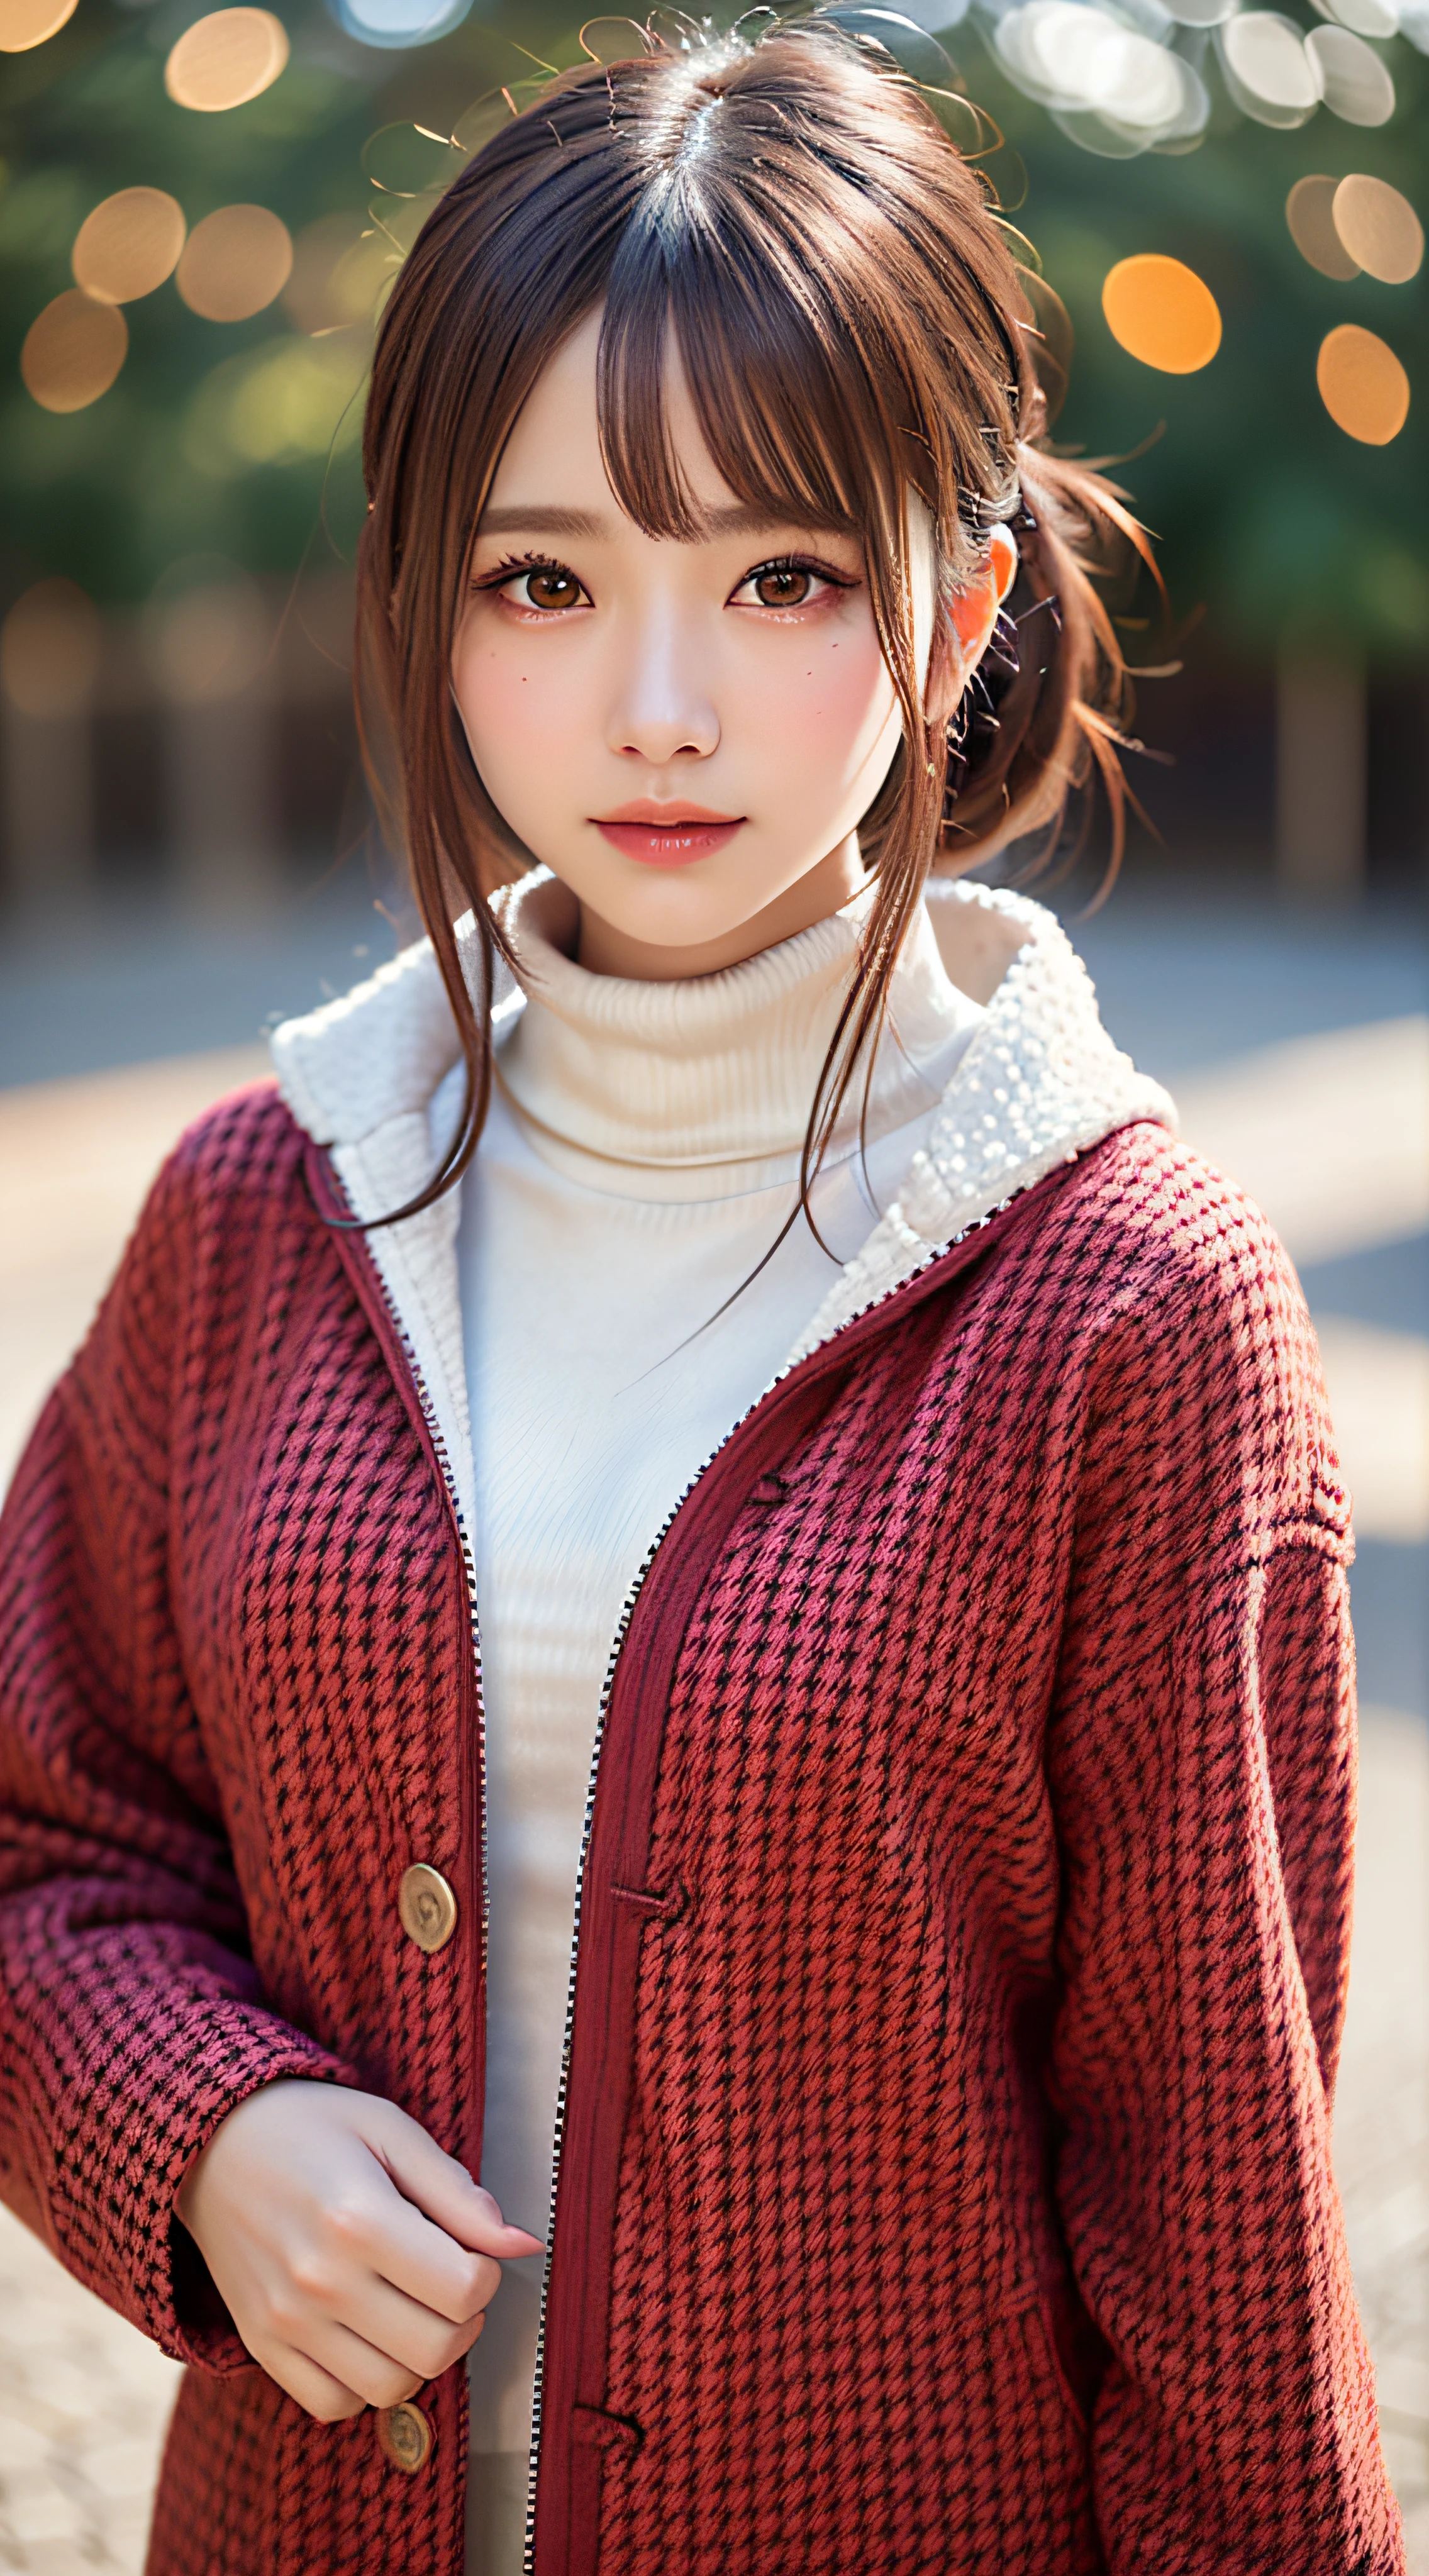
963, 2113
1040, 1083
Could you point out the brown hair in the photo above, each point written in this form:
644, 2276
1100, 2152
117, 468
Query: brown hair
851, 322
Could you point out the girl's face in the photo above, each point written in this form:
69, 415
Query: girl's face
685, 733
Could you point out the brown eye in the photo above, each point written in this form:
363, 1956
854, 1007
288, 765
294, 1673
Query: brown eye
783, 586
549, 587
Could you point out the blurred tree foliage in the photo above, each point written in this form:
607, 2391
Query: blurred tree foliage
1265, 510
219, 438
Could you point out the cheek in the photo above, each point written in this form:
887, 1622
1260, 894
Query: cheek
823, 707
511, 700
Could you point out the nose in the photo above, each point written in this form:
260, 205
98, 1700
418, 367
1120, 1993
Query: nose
661, 708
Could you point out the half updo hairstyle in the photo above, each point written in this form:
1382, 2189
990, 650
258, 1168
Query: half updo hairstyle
851, 322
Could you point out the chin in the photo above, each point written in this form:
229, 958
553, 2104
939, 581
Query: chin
668, 908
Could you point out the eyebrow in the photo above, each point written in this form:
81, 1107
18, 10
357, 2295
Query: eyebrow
537, 521
742, 518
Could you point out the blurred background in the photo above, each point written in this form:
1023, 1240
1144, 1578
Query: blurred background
200, 213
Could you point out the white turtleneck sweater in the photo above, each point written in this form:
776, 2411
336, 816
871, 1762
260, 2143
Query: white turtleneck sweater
562, 1315
640, 1157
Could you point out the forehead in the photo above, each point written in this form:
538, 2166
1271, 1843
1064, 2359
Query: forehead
553, 455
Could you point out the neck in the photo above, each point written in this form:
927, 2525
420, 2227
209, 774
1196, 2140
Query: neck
603, 949
701, 1089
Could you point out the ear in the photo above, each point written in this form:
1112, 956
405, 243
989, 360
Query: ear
964, 632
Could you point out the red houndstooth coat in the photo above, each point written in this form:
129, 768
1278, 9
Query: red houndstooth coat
945, 2182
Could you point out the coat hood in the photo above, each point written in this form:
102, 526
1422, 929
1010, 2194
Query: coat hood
1039, 1084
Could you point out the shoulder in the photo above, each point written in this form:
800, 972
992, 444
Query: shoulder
1186, 1327
249, 1139
235, 1176
1153, 1228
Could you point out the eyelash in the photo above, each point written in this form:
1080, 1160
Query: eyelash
511, 566
797, 563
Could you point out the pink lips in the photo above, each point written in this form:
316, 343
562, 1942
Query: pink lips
667, 835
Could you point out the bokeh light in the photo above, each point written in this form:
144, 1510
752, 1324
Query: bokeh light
205, 630
1121, 77
1269, 72
399, 22
339, 270
73, 351
1309, 212
24, 23
1379, 229
225, 59
1162, 313
1378, 18
128, 245
310, 298
50, 648
1362, 385
1202, 13
279, 404
1354, 82
235, 262
1110, 86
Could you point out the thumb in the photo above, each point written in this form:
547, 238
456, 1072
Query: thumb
485, 2230
444, 2192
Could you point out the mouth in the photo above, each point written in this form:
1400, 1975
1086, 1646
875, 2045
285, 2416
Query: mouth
667, 836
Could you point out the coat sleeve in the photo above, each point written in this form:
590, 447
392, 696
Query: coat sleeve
130, 2016
1201, 1761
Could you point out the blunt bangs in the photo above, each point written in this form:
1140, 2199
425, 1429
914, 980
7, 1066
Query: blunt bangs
785, 210
753, 243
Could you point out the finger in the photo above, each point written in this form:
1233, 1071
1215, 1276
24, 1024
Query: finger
378, 2233
351, 2361
444, 2190
316, 2390
489, 2233
402, 2329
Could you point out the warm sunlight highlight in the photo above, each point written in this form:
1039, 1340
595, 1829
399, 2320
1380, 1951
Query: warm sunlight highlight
1162, 313
226, 59
73, 351
129, 245
1362, 385
235, 263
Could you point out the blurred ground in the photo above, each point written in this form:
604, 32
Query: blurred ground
1298, 1048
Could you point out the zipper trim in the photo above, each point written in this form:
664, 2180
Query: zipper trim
783, 1378
366, 1277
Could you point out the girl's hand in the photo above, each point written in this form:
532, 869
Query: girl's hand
355, 2258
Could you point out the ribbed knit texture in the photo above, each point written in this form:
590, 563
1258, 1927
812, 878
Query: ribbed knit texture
702, 1088
946, 2176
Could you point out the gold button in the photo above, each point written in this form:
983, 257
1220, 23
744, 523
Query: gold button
427, 1907
405, 2436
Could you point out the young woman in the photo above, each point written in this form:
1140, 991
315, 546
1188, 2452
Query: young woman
872, 1905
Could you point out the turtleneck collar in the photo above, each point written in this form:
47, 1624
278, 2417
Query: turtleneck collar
701, 1089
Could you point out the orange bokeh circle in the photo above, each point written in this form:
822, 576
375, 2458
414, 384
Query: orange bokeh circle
1162, 313
1362, 385
73, 351
26, 23
128, 245
234, 263
225, 59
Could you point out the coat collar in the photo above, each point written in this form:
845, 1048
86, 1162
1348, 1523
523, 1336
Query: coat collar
1040, 1083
